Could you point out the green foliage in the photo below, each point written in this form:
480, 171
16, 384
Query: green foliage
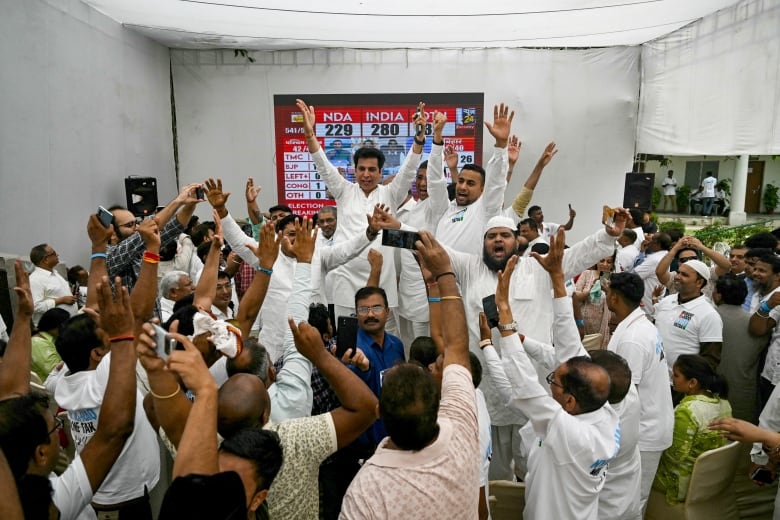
656, 197
770, 197
683, 198
664, 227
730, 235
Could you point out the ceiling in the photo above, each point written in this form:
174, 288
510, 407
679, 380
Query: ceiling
367, 24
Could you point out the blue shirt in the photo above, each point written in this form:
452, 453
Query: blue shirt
379, 360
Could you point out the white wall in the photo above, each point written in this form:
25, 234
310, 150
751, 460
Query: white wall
712, 87
585, 100
83, 103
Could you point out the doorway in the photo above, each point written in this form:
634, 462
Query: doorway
755, 181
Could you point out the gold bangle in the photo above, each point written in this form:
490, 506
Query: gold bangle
178, 389
451, 298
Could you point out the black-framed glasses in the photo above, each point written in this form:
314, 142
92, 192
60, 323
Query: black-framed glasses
551, 380
684, 259
58, 424
376, 309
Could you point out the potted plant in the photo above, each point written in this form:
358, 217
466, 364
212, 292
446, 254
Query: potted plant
683, 198
770, 198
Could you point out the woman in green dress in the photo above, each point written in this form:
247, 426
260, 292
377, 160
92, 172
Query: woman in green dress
705, 401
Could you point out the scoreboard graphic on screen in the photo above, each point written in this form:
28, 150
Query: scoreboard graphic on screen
347, 122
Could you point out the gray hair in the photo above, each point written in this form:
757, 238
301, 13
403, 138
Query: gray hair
170, 281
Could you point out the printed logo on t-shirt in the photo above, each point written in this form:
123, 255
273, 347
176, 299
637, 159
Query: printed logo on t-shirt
683, 320
659, 347
459, 215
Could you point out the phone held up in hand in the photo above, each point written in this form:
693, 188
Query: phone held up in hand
346, 335
104, 216
400, 238
490, 310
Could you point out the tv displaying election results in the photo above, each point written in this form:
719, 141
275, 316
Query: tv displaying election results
345, 122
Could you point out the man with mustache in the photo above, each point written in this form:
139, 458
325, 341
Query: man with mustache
531, 305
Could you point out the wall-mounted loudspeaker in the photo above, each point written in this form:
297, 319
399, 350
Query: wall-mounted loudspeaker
141, 194
639, 191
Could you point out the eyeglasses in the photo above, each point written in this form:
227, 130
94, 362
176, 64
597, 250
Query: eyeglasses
129, 225
58, 424
551, 380
684, 259
376, 309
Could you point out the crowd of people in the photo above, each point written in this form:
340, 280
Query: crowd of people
202, 360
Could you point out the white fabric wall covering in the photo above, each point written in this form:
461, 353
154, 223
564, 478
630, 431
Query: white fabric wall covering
83, 103
585, 100
712, 87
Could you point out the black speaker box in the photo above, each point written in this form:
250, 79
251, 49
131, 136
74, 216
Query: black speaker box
141, 194
638, 192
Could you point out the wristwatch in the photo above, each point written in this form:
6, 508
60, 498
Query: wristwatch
508, 326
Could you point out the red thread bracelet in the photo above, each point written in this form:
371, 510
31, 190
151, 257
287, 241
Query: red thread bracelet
117, 339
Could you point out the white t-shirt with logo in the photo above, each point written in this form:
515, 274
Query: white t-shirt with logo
638, 341
685, 326
708, 187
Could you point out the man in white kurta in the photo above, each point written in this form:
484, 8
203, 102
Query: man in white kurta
48, 288
532, 306
355, 201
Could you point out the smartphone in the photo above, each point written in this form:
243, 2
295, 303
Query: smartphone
346, 335
762, 475
200, 194
490, 310
418, 128
400, 238
165, 343
105, 216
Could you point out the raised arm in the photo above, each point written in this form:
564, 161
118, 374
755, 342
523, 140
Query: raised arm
358, 403
662, 269
197, 451
334, 181
764, 320
456, 337
399, 187
375, 261
15, 368
145, 288
722, 264
585, 253
255, 216
206, 289
291, 394
266, 252
186, 196
117, 414
565, 333
437, 186
513, 154
451, 159
99, 237
497, 166
570, 223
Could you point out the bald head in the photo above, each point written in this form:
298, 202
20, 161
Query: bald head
587, 382
243, 402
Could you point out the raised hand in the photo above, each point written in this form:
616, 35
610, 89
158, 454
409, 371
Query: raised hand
501, 125
305, 238
356, 357
616, 228
420, 120
267, 250
552, 262
513, 150
116, 315
572, 213
504, 279
450, 157
382, 219
24, 303
150, 233
146, 349
432, 255
439, 120
187, 195
308, 340
189, 365
375, 259
219, 236
547, 155
484, 327
309, 118
98, 235
216, 197
251, 190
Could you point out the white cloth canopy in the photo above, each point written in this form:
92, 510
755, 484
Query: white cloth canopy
297, 24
